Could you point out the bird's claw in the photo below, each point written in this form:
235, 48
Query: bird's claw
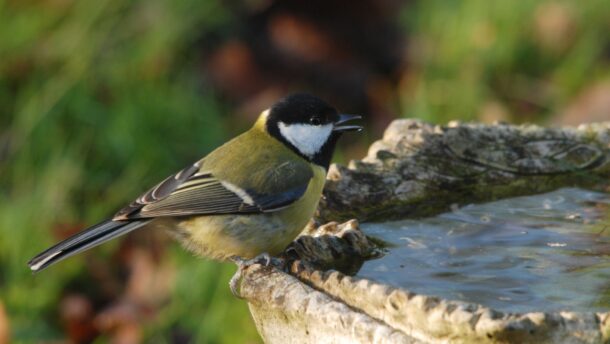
234, 283
263, 259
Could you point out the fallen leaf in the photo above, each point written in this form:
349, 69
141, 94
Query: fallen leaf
77, 314
5, 334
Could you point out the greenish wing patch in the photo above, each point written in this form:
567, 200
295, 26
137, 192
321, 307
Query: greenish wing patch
162, 190
201, 197
285, 177
204, 194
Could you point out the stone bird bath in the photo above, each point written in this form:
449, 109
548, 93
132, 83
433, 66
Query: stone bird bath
419, 170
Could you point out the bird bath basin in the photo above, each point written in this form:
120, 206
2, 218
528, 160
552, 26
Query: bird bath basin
490, 234
547, 252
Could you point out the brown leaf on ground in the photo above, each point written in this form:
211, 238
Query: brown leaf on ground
555, 26
592, 105
233, 69
147, 286
5, 334
149, 282
76, 314
121, 322
301, 39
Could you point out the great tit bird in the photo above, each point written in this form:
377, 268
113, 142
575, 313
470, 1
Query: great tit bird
251, 196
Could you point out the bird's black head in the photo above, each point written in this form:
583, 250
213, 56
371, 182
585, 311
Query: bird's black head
308, 125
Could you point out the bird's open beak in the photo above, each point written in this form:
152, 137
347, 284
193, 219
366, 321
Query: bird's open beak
340, 125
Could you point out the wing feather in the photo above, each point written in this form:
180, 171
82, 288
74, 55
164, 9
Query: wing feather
195, 192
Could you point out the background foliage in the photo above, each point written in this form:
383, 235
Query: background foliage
101, 99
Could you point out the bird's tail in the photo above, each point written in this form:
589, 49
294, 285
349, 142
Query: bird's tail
84, 240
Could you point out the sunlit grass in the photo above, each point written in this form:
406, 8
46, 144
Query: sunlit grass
99, 101
502, 60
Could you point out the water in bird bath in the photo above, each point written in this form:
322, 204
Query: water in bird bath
546, 252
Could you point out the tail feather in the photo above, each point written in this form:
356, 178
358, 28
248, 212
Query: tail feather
84, 240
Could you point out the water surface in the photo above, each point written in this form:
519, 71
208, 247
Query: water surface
547, 252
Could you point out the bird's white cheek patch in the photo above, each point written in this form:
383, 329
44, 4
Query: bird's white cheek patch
308, 139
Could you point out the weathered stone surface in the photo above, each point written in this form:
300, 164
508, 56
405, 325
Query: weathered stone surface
288, 311
431, 319
418, 169
341, 247
308, 305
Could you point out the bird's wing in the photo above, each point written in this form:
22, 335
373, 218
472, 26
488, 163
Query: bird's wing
193, 191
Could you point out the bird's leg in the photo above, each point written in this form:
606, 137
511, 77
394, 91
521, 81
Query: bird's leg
264, 259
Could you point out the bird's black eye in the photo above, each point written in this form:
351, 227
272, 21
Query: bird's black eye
315, 120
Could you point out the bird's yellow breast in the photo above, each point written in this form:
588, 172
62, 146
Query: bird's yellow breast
222, 236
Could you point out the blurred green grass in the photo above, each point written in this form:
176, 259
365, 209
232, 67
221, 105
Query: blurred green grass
517, 61
101, 99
